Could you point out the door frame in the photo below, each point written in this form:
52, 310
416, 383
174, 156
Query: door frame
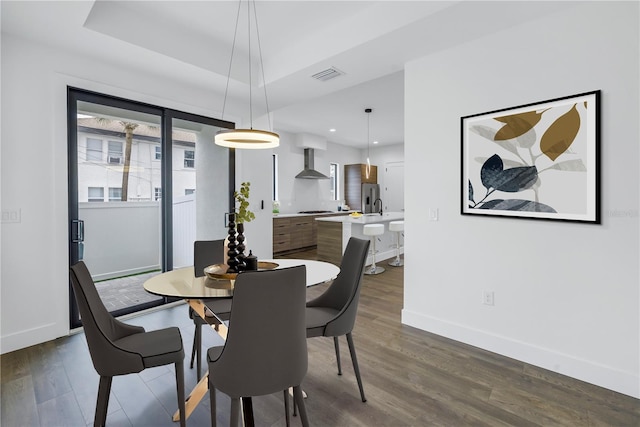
166, 115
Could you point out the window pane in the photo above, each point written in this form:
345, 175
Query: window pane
96, 194
135, 228
115, 152
115, 194
189, 159
333, 181
94, 150
200, 190
274, 174
157, 193
158, 153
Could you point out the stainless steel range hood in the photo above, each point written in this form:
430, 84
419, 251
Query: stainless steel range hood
309, 172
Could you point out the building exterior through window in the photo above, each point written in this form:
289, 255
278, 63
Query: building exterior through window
101, 147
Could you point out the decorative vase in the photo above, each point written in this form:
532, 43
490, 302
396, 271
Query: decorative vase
232, 248
240, 247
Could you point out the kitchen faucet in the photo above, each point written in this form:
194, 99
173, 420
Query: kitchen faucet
374, 204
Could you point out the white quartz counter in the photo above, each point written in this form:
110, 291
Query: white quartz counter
366, 218
290, 215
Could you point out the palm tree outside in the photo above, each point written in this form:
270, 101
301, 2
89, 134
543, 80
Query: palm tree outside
128, 130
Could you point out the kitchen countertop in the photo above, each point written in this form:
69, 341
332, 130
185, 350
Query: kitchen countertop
288, 215
365, 219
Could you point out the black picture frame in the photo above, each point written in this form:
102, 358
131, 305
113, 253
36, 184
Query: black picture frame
535, 161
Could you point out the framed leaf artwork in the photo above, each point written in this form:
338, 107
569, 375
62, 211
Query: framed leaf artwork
538, 160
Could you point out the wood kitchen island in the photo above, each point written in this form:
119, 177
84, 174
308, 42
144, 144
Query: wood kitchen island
296, 231
334, 233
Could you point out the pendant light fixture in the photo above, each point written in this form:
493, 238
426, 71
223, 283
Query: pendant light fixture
247, 138
367, 170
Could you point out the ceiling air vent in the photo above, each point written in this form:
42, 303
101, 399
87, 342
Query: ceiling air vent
327, 74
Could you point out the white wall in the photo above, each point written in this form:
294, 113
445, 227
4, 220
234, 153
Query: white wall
566, 294
309, 194
34, 263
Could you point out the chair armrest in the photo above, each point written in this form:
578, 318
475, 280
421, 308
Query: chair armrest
124, 329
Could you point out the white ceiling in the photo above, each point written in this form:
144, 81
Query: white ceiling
370, 41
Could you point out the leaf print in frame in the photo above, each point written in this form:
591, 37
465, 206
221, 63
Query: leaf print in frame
539, 160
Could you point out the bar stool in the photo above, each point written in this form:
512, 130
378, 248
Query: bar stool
398, 228
373, 230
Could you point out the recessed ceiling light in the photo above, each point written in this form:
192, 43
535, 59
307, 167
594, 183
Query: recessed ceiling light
375, 142
332, 130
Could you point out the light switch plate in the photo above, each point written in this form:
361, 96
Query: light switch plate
433, 214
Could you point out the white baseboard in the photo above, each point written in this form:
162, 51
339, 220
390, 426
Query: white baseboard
27, 338
584, 370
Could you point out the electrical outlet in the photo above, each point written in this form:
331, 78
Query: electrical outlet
487, 298
11, 216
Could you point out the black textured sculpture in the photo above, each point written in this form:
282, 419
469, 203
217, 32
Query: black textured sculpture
240, 247
232, 247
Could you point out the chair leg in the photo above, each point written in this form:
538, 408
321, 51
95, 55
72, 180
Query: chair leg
247, 411
104, 388
193, 348
196, 350
295, 407
354, 360
287, 418
234, 421
337, 346
198, 338
212, 399
299, 399
180, 388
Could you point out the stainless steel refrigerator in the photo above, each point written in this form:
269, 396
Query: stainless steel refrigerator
370, 193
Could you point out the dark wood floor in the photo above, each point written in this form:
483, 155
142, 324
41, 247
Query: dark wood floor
411, 378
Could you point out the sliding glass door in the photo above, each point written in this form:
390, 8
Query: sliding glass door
200, 194
133, 168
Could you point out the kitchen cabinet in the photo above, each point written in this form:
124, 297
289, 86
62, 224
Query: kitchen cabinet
295, 232
281, 234
354, 177
301, 230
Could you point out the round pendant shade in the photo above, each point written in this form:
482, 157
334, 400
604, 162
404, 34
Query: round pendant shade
247, 138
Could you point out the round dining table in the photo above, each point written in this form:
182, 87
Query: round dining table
182, 283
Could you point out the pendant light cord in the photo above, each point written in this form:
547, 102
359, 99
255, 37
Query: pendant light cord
264, 81
368, 145
248, 137
368, 167
250, 60
233, 48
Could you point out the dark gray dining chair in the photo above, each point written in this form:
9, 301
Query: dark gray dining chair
333, 313
117, 348
206, 253
266, 346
